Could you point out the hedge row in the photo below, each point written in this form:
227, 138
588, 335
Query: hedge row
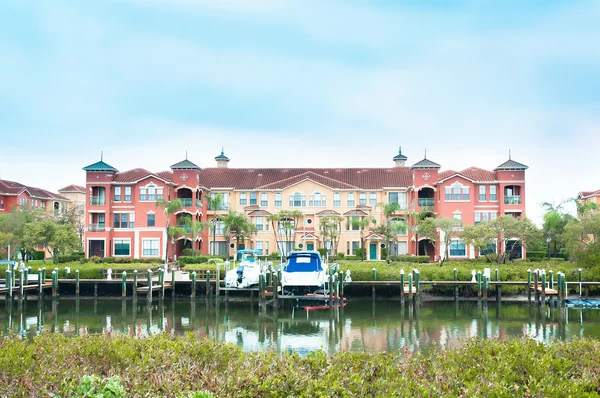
164, 365
183, 260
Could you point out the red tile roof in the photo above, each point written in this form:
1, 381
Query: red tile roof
349, 178
586, 194
139, 174
72, 188
472, 173
14, 188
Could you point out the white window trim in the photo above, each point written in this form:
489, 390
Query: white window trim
114, 243
150, 239
459, 240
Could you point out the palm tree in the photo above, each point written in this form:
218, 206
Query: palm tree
194, 229
237, 224
389, 210
583, 208
169, 208
215, 203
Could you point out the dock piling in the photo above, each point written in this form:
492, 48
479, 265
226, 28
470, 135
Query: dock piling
580, 274
135, 283
417, 277
76, 283
479, 275
402, 285
54, 283
529, 285
455, 276
374, 279
543, 286
40, 283
21, 283
410, 286
173, 282
207, 283
193, 284
9, 282
124, 284
149, 285
536, 277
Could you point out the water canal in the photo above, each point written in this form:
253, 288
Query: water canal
373, 326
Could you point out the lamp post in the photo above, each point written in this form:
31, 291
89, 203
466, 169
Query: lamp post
548, 240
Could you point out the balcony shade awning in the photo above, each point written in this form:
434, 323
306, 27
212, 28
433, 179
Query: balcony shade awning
327, 213
259, 213
356, 213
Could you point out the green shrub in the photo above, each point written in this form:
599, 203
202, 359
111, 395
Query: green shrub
95, 260
412, 259
322, 251
37, 254
339, 256
108, 260
97, 387
384, 251
67, 258
187, 252
183, 260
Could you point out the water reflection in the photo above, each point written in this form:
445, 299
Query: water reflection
361, 325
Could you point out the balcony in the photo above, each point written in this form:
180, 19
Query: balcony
224, 206
97, 200
187, 202
512, 200
186, 228
96, 227
426, 202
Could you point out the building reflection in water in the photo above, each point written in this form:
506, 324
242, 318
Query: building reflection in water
361, 325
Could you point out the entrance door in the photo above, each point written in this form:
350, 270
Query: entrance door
310, 246
373, 251
241, 246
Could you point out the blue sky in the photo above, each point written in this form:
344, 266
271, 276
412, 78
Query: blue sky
301, 83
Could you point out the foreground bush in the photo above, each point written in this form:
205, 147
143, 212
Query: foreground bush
171, 366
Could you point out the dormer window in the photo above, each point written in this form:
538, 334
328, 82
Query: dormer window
457, 192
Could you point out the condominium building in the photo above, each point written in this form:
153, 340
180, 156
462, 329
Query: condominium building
14, 194
122, 218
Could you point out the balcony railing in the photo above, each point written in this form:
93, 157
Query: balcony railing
512, 200
97, 200
96, 227
186, 228
224, 206
426, 202
187, 202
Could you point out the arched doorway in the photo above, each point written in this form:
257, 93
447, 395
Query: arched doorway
426, 248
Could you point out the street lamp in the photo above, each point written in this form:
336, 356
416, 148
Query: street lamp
548, 240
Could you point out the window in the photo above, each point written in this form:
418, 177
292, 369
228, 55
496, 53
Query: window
43, 204
465, 193
355, 245
219, 228
477, 217
493, 192
456, 192
127, 194
259, 223
458, 216
258, 245
490, 249
2, 203
362, 198
295, 200
264, 199
252, 198
277, 200
484, 216
399, 197
124, 220
243, 200
150, 247
224, 204
354, 223
286, 224
117, 194
122, 247
482, 196
218, 248
151, 220
372, 198
458, 248
350, 198
448, 191
266, 247
316, 200
151, 193
337, 199
402, 247
401, 224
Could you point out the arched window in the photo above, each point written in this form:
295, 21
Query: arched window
401, 224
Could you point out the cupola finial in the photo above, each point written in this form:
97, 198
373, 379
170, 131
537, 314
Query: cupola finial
101, 155
222, 151
509, 158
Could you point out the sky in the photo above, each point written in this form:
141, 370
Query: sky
301, 83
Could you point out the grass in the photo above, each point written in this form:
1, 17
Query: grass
86, 271
172, 366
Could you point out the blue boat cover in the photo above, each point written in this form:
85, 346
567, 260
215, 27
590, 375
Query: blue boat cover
303, 262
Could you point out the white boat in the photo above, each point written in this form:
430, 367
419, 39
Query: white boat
304, 272
247, 273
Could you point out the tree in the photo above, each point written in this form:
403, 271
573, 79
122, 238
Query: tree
284, 226
193, 229
427, 228
330, 230
506, 231
215, 202
447, 228
54, 237
583, 207
582, 238
74, 216
14, 223
237, 224
170, 208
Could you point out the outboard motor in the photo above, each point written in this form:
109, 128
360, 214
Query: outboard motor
240, 273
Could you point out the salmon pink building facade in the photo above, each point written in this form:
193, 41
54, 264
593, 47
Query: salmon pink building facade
14, 194
122, 218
